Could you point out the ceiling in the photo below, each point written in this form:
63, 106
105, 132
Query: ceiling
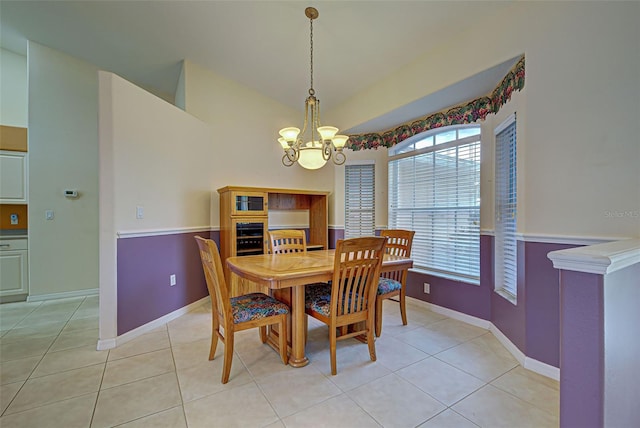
261, 44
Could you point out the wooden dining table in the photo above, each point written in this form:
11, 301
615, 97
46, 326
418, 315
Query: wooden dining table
287, 274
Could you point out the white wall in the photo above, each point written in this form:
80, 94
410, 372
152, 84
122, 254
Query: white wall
154, 155
13, 89
581, 123
63, 153
161, 161
621, 347
245, 127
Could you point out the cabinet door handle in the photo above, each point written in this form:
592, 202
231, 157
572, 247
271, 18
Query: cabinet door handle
5, 245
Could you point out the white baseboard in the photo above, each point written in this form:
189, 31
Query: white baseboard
110, 343
469, 319
104, 344
504, 340
64, 295
526, 362
542, 368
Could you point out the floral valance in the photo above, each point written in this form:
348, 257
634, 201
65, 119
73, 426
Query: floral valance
469, 112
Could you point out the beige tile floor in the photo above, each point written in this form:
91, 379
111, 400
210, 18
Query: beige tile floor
435, 372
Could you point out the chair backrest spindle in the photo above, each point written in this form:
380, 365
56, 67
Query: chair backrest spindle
287, 241
399, 243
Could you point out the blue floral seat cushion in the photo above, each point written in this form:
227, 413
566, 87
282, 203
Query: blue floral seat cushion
318, 298
387, 285
256, 306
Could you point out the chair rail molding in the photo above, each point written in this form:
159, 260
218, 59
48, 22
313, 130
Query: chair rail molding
600, 259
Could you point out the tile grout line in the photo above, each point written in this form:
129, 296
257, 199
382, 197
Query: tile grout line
39, 362
175, 368
23, 318
47, 404
149, 377
265, 397
515, 396
428, 355
95, 404
485, 383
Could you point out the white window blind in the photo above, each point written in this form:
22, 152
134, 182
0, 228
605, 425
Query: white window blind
359, 204
506, 268
434, 189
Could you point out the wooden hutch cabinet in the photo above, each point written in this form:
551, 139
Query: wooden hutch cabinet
244, 223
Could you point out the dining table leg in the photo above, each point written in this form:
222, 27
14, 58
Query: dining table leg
298, 359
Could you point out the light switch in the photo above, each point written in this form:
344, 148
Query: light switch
139, 212
48, 214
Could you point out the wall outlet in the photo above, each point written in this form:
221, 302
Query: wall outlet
427, 288
48, 214
172, 280
139, 212
14, 218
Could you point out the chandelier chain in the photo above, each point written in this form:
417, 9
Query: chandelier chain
311, 91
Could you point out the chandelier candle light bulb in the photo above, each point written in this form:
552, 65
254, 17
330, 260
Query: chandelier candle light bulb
314, 150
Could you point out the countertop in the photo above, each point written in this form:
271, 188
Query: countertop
13, 233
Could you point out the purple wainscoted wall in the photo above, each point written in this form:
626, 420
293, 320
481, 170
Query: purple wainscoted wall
582, 343
543, 303
459, 296
474, 300
144, 267
533, 324
334, 235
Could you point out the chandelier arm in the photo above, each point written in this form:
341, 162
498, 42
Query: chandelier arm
292, 154
326, 149
339, 157
286, 161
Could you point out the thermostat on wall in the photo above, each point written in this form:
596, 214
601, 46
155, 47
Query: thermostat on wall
70, 193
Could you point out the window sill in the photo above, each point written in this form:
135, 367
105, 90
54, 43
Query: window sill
506, 295
457, 278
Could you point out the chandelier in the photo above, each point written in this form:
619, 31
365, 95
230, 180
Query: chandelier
316, 144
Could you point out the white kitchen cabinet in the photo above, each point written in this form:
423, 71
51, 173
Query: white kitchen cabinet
13, 177
14, 268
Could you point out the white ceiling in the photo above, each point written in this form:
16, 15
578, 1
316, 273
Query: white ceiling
262, 44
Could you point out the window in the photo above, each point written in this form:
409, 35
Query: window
506, 209
359, 204
434, 189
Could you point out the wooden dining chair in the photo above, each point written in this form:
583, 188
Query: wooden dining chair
356, 271
393, 283
287, 241
237, 313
